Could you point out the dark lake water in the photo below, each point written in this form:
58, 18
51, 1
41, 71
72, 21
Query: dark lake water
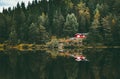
102, 64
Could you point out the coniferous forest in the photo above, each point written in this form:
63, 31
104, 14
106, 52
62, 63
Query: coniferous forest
42, 19
28, 48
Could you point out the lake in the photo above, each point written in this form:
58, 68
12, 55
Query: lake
50, 64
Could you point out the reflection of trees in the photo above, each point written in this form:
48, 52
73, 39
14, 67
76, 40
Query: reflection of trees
66, 68
103, 64
66, 52
8, 63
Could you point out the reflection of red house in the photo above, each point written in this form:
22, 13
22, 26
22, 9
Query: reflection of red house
80, 35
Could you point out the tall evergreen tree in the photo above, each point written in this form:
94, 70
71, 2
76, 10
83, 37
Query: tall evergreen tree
20, 19
94, 36
116, 30
58, 22
43, 35
107, 25
96, 19
103, 9
71, 25
42, 22
3, 28
13, 36
23, 6
83, 17
37, 31
33, 33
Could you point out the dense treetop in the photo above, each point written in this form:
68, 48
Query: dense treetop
42, 19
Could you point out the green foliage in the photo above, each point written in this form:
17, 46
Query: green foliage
37, 32
96, 21
42, 19
3, 28
116, 32
108, 24
94, 34
94, 37
83, 17
92, 16
69, 4
58, 22
44, 36
71, 25
33, 33
13, 36
103, 9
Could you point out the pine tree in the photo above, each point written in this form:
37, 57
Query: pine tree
116, 30
42, 22
3, 28
107, 25
42, 19
43, 35
33, 33
13, 35
71, 25
58, 22
94, 36
83, 17
37, 31
96, 21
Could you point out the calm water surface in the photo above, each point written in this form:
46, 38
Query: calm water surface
103, 64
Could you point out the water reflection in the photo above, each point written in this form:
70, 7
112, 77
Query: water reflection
51, 64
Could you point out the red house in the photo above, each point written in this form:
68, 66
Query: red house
80, 35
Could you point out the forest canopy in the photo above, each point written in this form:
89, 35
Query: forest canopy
42, 19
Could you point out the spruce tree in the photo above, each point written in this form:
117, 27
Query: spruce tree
58, 22
71, 25
83, 17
